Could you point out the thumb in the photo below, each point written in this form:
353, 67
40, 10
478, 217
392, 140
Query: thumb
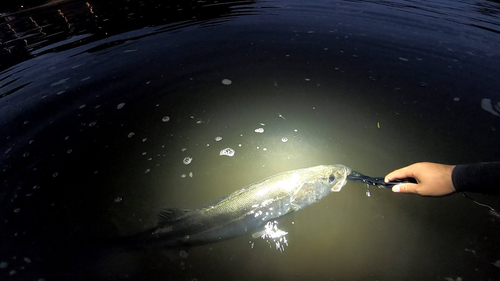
405, 188
399, 174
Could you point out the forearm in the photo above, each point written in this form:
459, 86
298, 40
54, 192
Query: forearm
479, 177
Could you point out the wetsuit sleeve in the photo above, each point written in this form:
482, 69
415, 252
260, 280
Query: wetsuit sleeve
479, 177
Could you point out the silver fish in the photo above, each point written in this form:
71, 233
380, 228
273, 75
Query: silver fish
245, 210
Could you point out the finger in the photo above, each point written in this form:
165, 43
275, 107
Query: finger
402, 173
405, 188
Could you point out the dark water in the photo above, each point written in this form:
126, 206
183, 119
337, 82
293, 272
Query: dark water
101, 102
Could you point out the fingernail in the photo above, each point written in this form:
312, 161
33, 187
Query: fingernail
386, 180
396, 188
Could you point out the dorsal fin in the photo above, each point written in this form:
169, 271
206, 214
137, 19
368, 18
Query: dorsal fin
168, 215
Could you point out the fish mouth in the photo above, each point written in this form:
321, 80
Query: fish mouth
340, 172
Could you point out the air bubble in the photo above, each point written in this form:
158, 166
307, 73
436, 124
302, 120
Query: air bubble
165, 119
259, 130
227, 152
118, 199
284, 139
227, 82
120, 106
183, 254
131, 134
218, 138
187, 160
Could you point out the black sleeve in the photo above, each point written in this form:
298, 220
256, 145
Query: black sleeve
479, 177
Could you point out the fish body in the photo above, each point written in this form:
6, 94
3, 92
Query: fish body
245, 210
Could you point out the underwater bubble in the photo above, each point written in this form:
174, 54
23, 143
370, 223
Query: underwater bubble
227, 82
3, 264
147, 171
36, 187
26, 154
17, 210
259, 130
218, 138
118, 199
227, 152
183, 254
144, 139
187, 160
183, 149
265, 149
120, 105
183, 175
190, 174
82, 106
284, 139
27, 260
12, 272
55, 175
69, 151
131, 134
165, 119
92, 124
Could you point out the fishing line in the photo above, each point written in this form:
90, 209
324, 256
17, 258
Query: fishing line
492, 210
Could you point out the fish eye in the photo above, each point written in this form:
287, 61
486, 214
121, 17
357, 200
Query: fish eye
331, 179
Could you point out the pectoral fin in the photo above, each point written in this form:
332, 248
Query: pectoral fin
258, 233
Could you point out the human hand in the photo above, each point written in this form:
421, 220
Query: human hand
432, 179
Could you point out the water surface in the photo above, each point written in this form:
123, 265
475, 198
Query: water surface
111, 111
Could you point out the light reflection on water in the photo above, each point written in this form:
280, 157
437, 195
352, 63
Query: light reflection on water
110, 114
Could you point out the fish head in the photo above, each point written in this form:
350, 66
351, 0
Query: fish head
318, 182
333, 177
